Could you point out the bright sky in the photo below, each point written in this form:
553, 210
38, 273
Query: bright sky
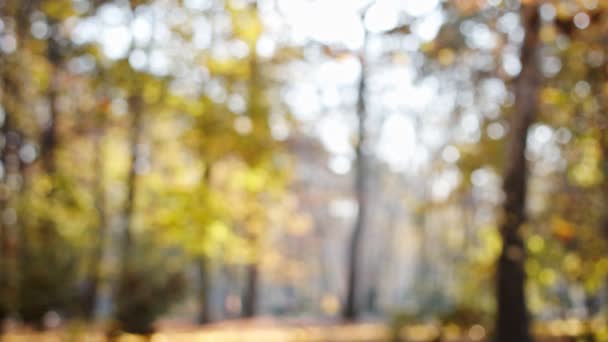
341, 23
409, 115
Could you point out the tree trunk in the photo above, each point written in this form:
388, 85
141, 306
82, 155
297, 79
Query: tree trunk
11, 243
602, 126
136, 110
512, 317
49, 133
250, 297
9, 237
351, 311
204, 271
94, 276
256, 108
204, 314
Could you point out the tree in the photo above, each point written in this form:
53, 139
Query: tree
361, 190
93, 280
512, 322
11, 103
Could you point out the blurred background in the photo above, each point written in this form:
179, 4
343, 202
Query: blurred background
412, 169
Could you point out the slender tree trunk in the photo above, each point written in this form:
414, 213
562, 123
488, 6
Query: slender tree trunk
255, 110
128, 278
5, 243
350, 310
602, 126
512, 318
204, 265
9, 243
49, 133
250, 297
94, 277
204, 313
136, 110
598, 78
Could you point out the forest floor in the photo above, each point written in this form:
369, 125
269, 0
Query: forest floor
267, 330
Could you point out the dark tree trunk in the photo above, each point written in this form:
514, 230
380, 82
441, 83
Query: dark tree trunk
351, 311
512, 317
5, 240
599, 79
250, 294
250, 297
204, 314
602, 126
136, 109
129, 314
49, 133
9, 237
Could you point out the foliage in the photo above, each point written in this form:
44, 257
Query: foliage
141, 137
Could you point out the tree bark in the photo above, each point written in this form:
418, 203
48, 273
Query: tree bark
350, 310
512, 317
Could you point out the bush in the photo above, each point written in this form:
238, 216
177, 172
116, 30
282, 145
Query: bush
47, 277
403, 319
145, 293
464, 316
